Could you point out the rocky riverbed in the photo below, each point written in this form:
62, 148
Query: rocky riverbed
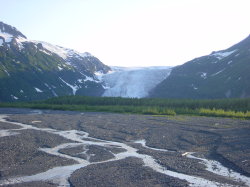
54, 148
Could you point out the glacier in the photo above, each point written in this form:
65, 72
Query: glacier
133, 82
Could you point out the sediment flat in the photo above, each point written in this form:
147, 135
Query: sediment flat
56, 148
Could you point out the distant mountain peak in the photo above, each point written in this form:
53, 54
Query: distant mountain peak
12, 31
86, 54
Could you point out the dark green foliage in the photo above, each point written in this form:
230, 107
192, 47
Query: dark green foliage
225, 104
236, 108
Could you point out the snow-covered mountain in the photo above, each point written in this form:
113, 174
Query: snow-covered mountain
31, 70
133, 82
35, 70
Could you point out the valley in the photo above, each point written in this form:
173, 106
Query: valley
37, 70
162, 98
56, 148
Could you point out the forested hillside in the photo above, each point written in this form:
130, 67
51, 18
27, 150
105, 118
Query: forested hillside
222, 74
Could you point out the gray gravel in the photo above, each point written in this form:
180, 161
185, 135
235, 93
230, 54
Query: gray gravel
224, 140
20, 155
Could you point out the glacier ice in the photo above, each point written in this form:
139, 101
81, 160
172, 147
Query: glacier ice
133, 82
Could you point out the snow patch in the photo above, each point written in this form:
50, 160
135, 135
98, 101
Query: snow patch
14, 97
74, 88
230, 62
194, 87
218, 72
20, 41
221, 55
203, 75
96, 78
53, 92
61, 51
7, 72
98, 73
7, 37
38, 90
1, 41
44, 51
105, 87
80, 80
60, 68
87, 78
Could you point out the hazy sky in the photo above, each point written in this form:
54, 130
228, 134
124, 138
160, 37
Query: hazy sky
133, 32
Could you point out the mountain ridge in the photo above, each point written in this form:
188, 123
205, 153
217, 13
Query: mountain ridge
221, 74
34, 70
11, 30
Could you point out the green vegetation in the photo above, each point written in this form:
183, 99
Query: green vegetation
233, 108
241, 105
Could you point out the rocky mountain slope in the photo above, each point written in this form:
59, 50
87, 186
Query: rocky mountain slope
222, 74
31, 70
